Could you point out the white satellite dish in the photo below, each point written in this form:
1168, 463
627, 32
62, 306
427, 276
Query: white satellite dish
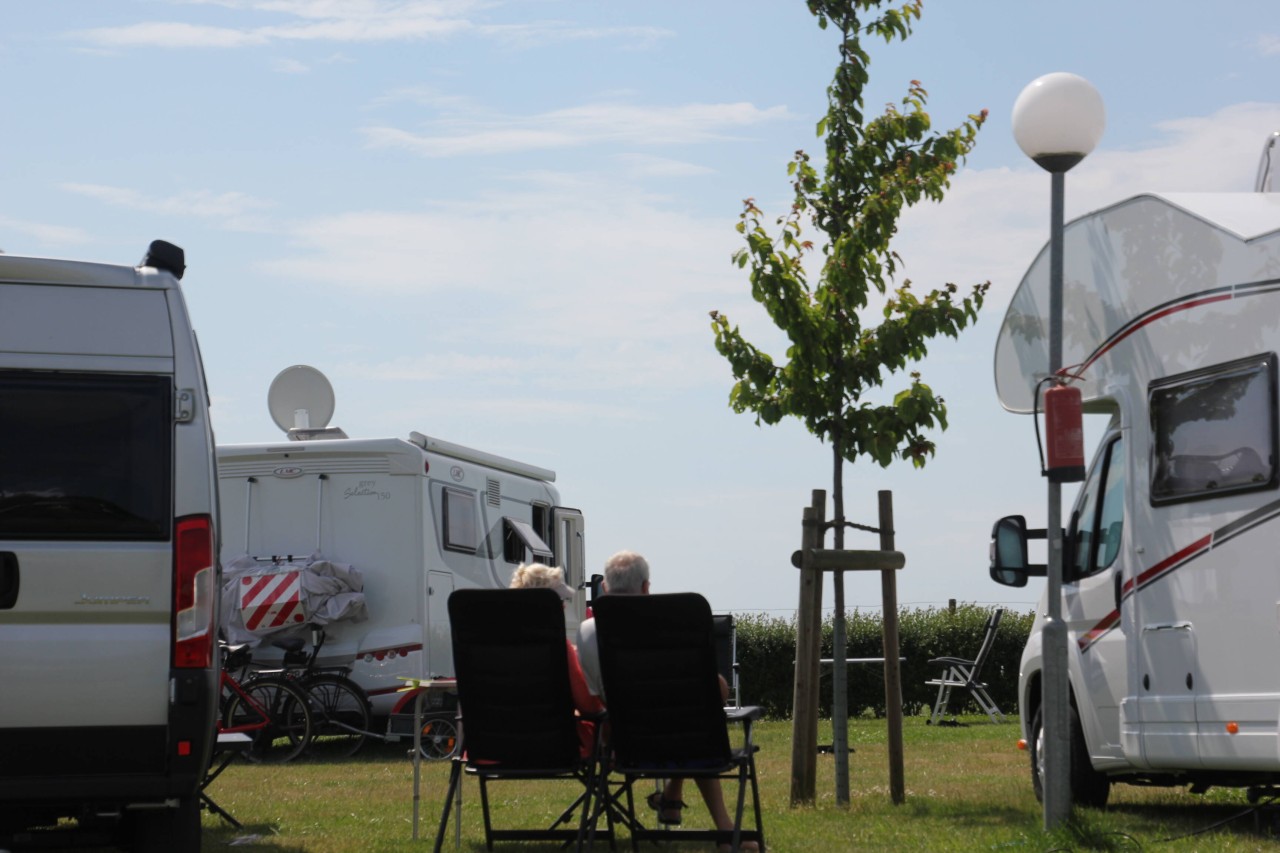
300, 397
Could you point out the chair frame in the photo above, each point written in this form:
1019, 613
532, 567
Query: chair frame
676, 626
963, 674
534, 620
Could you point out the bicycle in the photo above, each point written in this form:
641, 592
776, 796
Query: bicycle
339, 706
272, 711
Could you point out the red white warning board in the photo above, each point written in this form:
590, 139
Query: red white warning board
271, 602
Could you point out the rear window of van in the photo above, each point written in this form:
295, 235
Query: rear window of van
85, 456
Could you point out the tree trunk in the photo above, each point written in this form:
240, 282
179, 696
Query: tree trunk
840, 671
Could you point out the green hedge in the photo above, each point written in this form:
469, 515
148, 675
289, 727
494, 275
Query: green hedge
766, 659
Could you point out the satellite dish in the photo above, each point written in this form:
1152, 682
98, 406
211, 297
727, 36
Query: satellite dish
300, 397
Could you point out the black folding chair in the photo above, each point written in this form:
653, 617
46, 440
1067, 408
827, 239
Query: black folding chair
515, 707
666, 715
965, 675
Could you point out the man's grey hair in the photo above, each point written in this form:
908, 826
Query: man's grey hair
625, 573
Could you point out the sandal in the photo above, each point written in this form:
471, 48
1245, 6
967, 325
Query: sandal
668, 810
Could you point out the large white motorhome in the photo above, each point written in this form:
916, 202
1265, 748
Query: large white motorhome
108, 530
417, 517
1171, 593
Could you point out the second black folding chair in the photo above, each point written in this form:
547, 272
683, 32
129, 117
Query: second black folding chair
517, 713
666, 713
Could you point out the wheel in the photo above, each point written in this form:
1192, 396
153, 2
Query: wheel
1088, 786
439, 738
288, 725
340, 716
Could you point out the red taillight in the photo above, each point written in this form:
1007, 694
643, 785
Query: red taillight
193, 593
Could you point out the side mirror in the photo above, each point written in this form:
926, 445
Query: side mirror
595, 582
1009, 565
1009, 551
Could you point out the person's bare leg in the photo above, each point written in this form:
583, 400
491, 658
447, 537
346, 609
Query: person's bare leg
713, 796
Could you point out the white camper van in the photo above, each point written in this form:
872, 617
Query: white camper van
1171, 593
416, 518
108, 678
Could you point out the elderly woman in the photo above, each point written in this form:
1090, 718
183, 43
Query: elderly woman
536, 575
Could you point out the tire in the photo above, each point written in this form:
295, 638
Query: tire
288, 710
439, 738
340, 716
1088, 787
174, 830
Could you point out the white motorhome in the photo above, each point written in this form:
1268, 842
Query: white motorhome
417, 517
1171, 593
108, 531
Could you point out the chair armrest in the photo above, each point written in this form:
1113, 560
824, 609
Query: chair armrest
948, 661
743, 714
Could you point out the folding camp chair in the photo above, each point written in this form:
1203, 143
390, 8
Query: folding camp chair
962, 674
515, 706
666, 717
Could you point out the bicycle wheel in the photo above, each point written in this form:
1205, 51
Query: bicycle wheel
340, 716
288, 723
439, 738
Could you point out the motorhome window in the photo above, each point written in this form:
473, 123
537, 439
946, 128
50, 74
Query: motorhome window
85, 456
460, 531
1111, 513
521, 544
1214, 432
1096, 528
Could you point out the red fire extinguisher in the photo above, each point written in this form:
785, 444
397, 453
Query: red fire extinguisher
1064, 434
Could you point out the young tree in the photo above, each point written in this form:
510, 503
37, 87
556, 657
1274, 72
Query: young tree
835, 364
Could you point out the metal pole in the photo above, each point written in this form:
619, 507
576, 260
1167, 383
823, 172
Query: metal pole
840, 695
1055, 690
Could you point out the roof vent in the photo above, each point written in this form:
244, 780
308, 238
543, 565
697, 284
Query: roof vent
166, 256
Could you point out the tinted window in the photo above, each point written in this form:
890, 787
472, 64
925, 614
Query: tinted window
460, 521
1097, 526
1214, 431
85, 456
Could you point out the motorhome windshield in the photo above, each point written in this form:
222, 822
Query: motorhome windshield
1214, 431
85, 456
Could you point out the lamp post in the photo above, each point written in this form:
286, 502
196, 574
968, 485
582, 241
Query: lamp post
1057, 121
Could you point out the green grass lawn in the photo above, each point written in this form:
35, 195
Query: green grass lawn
968, 788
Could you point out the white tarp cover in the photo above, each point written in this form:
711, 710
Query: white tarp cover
261, 600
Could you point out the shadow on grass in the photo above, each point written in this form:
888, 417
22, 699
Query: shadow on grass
1170, 823
249, 838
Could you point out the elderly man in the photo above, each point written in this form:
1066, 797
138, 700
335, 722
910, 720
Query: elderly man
627, 573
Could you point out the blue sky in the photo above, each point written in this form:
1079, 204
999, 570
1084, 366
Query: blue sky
503, 224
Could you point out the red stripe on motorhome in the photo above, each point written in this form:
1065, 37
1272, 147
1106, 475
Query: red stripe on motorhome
1160, 569
1124, 333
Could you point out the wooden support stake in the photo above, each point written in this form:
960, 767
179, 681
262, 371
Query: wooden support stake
892, 665
804, 717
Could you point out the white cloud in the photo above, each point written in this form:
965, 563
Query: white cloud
174, 35
1268, 44
353, 21
42, 232
646, 165
200, 203
543, 33
291, 66
591, 124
